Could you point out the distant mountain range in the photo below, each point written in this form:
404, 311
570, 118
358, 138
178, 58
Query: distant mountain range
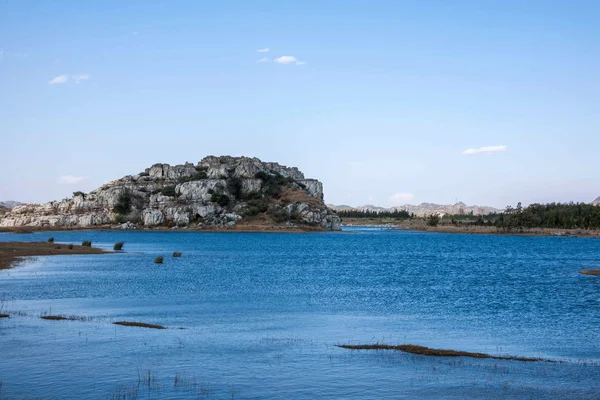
429, 208
10, 204
423, 209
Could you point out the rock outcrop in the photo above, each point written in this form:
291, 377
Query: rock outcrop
217, 191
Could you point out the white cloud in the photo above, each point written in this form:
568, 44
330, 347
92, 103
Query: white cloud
400, 198
81, 77
263, 60
59, 79
485, 149
287, 60
265, 50
70, 180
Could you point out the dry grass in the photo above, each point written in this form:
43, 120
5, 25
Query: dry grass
139, 324
590, 272
426, 351
57, 317
10, 251
299, 196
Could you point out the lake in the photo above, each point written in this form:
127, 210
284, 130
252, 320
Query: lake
262, 314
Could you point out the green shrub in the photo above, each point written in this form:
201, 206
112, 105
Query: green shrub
78, 193
118, 245
177, 254
158, 260
169, 191
220, 199
234, 186
87, 243
433, 220
51, 240
70, 247
195, 177
124, 202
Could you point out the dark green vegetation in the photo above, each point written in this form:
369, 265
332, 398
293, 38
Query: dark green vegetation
433, 220
71, 246
78, 193
426, 351
51, 240
87, 243
177, 254
139, 324
4, 316
158, 260
552, 215
118, 246
401, 214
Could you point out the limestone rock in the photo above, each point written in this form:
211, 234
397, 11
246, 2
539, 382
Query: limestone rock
217, 191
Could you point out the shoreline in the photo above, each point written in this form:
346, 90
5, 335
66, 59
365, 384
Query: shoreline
416, 226
421, 226
12, 252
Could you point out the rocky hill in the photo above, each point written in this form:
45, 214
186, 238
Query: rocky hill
9, 204
596, 202
424, 209
217, 191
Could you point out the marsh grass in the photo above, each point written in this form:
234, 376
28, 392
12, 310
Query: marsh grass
177, 254
426, 351
590, 272
51, 240
4, 316
158, 260
87, 243
62, 317
139, 324
118, 246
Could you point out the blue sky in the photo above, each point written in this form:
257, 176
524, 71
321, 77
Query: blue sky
380, 100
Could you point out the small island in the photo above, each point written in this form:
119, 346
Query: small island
229, 193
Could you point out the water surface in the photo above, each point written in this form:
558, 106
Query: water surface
263, 312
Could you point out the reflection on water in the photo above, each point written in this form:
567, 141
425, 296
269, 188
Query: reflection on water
262, 314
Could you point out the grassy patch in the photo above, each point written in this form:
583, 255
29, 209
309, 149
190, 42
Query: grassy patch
139, 324
56, 317
590, 272
426, 351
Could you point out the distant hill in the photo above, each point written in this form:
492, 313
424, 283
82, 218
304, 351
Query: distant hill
424, 209
596, 202
10, 204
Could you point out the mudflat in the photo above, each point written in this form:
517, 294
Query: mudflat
11, 251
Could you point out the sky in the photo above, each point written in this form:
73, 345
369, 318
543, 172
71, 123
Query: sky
386, 102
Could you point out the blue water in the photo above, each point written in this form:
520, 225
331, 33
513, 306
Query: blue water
263, 312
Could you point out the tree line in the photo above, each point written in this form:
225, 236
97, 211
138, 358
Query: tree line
551, 215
